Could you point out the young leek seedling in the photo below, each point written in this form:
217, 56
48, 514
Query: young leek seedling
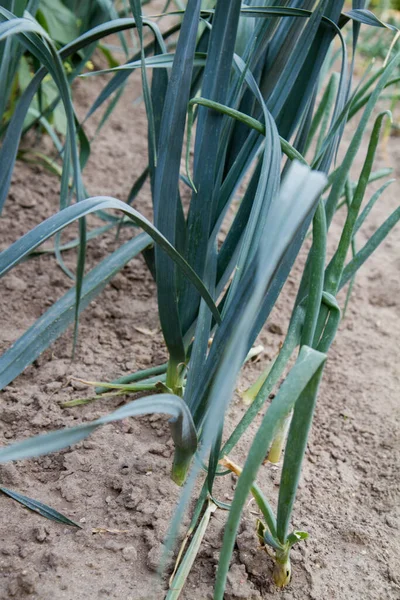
266, 532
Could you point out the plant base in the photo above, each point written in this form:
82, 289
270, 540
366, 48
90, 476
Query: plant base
282, 569
180, 467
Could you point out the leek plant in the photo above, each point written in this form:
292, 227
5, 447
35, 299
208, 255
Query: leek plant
245, 79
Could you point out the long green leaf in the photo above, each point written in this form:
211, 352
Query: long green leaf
335, 267
374, 241
61, 314
137, 13
17, 251
165, 195
344, 169
374, 198
207, 175
43, 509
368, 18
295, 449
181, 420
190, 555
284, 222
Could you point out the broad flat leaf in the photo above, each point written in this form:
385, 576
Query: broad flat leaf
202, 251
60, 22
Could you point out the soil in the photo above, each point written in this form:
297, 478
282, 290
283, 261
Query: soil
116, 484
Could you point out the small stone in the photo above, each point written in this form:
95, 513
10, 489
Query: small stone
124, 469
53, 386
116, 312
132, 498
40, 420
99, 313
14, 283
391, 522
113, 546
115, 483
78, 385
27, 201
238, 586
107, 589
124, 332
157, 449
54, 560
129, 553
9, 474
155, 556
27, 581
8, 415
89, 445
40, 534
118, 282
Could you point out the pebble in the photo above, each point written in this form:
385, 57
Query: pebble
8, 415
113, 546
118, 282
88, 358
78, 385
27, 201
129, 553
89, 445
155, 556
14, 283
40, 534
53, 386
391, 522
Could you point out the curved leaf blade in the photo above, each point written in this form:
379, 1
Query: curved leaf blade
17, 251
57, 440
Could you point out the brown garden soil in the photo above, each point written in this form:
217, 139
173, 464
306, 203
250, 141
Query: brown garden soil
116, 484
